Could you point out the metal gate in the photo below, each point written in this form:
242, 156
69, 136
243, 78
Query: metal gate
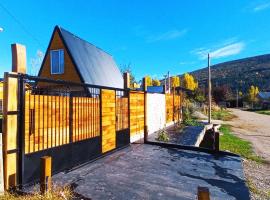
122, 118
64, 120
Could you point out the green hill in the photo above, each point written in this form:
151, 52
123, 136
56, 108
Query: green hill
240, 73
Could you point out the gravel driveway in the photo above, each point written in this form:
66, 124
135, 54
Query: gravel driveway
255, 128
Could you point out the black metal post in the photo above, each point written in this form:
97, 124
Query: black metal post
128, 96
21, 129
100, 118
145, 137
70, 118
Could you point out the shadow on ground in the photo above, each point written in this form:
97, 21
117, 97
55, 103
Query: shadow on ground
149, 172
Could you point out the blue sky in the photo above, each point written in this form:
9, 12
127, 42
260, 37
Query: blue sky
153, 36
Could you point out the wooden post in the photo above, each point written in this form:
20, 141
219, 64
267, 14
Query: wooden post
10, 137
209, 91
126, 80
203, 193
173, 104
45, 174
2, 190
216, 139
18, 58
145, 110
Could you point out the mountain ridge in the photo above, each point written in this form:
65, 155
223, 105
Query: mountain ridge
238, 74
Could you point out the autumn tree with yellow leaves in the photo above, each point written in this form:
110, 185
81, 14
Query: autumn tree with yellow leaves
148, 81
155, 82
252, 94
175, 81
190, 82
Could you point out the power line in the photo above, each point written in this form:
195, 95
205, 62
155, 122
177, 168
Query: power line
21, 25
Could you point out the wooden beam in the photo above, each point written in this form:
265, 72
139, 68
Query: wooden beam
18, 58
45, 174
203, 193
126, 80
10, 155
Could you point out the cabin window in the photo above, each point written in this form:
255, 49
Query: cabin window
57, 61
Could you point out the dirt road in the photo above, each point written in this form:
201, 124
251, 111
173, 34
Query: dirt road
254, 128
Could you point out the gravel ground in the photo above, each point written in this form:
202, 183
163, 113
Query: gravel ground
255, 128
258, 179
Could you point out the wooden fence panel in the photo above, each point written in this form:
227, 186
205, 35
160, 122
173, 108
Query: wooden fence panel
169, 107
47, 120
136, 113
86, 118
108, 120
173, 107
121, 113
177, 107
1, 98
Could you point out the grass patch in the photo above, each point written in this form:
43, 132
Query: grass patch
224, 115
264, 112
191, 122
59, 193
234, 144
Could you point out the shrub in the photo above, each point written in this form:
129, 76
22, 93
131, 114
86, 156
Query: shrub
191, 122
163, 136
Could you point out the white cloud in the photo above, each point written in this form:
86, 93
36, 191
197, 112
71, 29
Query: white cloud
187, 63
226, 50
261, 7
169, 35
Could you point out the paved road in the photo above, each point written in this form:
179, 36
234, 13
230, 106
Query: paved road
254, 128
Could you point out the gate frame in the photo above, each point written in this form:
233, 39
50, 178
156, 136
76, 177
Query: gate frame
20, 132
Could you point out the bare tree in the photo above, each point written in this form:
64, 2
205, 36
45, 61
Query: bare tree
127, 68
36, 63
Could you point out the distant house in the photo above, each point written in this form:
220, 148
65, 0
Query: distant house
71, 58
264, 99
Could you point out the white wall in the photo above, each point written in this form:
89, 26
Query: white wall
156, 112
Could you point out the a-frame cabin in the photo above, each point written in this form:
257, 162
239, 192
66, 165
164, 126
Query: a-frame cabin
71, 58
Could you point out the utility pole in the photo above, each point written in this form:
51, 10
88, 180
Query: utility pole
209, 90
165, 77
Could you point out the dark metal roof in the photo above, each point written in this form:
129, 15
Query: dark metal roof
264, 95
94, 65
155, 89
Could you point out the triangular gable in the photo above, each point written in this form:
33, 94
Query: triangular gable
85, 62
70, 71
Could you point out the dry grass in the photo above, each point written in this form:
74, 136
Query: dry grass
57, 193
223, 114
